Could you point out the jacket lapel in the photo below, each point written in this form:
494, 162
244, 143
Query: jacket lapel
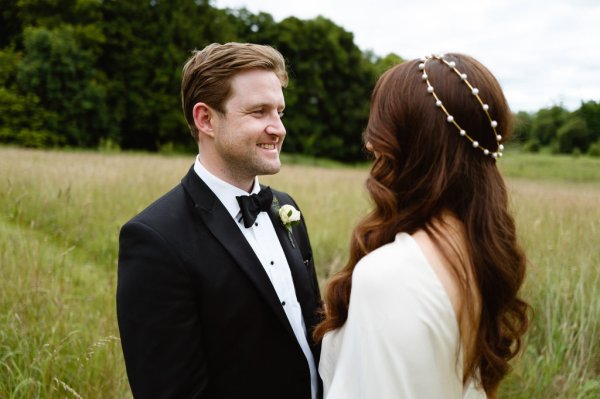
296, 263
223, 227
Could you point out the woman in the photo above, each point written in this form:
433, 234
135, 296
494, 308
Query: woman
427, 305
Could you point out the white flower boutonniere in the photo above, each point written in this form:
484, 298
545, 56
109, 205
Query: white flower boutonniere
290, 217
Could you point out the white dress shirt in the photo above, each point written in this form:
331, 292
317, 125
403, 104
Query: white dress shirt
264, 241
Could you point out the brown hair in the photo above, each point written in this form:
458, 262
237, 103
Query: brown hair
423, 167
207, 74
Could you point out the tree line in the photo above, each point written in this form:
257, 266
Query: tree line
107, 73
557, 130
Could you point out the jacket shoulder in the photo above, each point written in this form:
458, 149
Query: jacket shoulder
170, 206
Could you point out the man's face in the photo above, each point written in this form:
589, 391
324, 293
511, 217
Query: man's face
248, 137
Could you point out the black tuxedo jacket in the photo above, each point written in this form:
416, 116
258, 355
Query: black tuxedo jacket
197, 313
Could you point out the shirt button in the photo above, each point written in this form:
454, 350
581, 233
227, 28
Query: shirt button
256, 224
283, 303
272, 263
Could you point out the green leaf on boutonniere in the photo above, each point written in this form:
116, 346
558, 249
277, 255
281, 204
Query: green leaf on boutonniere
289, 217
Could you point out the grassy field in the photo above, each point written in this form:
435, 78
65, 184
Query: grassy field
60, 213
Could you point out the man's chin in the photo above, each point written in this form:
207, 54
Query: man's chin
271, 169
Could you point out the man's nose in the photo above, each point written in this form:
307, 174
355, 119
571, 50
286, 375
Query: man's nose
276, 126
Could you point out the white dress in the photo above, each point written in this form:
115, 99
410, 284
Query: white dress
401, 338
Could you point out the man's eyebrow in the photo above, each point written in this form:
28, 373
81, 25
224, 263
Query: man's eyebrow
263, 105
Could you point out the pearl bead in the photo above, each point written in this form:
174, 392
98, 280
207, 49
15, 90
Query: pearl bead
429, 89
463, 76
475, 91
424, 76
495, 155
498, 137
486, 107
462, 133
501, 147
494, 124
438, 103
452, 64
421, 66
450, 118
475, 144
486, 152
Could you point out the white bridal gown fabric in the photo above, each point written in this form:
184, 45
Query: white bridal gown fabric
401, 338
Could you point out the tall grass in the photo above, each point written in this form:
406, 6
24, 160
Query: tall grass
59, 219
560, 228
551, 167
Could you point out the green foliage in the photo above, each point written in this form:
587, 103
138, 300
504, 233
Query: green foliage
546, 123
108, 145
9, 62
53, 13
522, 127
382, 64
60, 72
258, 28
557, 130
594, 150
146, 46
573, 135
532, 146
11, 25
590, 112
328, 95
22, 120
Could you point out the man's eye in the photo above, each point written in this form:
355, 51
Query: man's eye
281, 114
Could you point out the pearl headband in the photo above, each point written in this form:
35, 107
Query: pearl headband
449, 118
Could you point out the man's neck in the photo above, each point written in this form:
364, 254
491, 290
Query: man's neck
224, 174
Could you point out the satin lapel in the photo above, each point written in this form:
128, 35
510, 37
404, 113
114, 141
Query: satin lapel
223, 227
296, 263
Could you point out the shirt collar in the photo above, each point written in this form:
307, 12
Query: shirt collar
225, 192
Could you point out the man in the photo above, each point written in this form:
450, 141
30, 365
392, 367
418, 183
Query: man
217, 295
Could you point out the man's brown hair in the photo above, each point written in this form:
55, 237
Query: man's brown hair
207, 74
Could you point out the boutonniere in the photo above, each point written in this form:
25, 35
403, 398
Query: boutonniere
289, 217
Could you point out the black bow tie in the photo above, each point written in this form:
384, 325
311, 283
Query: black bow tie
252, 205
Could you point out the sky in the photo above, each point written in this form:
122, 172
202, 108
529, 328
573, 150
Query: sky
543, 52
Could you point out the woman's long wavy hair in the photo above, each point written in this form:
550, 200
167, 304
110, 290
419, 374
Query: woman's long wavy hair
424, 168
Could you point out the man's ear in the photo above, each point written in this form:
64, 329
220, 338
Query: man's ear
203, 118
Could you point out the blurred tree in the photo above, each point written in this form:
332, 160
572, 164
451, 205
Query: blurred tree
22, 120
590, 112
573, 135
546, 123
60, 72
522, 127
258, 28
382, 64
146, 46
330, 85
53, 13
11, 26
594, 150
55, 82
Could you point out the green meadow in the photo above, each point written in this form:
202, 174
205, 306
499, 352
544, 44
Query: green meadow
60, 214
